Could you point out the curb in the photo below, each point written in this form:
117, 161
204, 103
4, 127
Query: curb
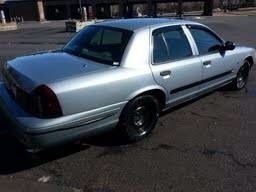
8, 27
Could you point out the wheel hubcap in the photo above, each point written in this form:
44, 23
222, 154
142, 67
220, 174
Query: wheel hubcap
242, 77
143, 118
240, 82
139, 118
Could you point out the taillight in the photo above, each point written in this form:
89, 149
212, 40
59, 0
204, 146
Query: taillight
45, 103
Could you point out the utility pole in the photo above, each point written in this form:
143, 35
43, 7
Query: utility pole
152, 6
179, 12
208, 7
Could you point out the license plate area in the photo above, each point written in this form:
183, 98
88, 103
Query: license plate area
18, 95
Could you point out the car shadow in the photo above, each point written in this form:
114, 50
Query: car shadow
14, 157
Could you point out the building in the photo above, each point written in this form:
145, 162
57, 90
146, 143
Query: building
70, 9
26, 9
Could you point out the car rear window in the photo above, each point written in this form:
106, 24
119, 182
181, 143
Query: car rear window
100, 43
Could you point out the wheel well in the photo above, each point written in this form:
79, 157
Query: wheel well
250, 60
158, 94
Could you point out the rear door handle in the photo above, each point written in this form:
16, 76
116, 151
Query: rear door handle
207, 63
165, 73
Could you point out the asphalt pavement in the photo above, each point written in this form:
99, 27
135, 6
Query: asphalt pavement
208, 144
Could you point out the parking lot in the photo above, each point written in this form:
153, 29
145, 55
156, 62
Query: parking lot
208, 144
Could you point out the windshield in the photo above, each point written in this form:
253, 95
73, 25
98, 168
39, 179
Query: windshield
100, 43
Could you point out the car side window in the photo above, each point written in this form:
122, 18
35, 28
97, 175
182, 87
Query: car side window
170, 44
206, 41
177, 44
160, 52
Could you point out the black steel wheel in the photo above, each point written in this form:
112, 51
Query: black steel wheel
242, 76
139, 117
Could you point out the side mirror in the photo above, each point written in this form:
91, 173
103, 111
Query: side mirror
229, 45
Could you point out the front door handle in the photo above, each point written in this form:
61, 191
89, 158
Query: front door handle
165, 73
207, 63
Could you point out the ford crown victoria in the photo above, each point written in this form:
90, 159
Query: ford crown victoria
119, 73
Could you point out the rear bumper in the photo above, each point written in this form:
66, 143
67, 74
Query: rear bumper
37, 133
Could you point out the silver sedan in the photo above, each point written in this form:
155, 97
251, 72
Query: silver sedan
118, 74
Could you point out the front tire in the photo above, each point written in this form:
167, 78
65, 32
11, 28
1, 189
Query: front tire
139, 118
242, 76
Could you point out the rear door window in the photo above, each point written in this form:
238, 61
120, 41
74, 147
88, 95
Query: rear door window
170, 44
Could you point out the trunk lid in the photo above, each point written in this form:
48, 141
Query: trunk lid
44, 68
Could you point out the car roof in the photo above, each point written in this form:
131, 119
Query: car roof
140, 23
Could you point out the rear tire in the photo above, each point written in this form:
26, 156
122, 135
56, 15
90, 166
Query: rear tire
139, 118
242, 76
